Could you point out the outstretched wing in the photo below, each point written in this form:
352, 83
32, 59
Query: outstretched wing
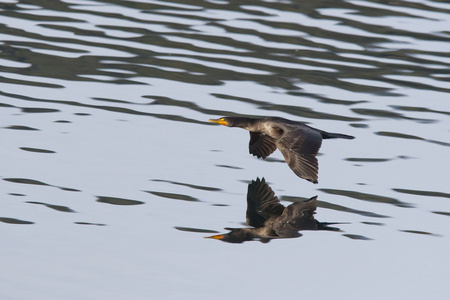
299, 148
297, 216
261, 145
261, 203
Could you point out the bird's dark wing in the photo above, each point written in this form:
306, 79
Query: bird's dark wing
299, 147
261, 145
261, 203
297, 216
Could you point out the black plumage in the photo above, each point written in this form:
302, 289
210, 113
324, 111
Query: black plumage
272, 220
298, 142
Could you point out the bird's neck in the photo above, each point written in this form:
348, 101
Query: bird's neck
246, 123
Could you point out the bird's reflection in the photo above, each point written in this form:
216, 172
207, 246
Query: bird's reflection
271, 220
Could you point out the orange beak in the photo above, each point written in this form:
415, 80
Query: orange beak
216, 237
220, 121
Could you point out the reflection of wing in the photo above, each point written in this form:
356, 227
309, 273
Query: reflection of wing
261, 203
297, 216
299, 149
261, 145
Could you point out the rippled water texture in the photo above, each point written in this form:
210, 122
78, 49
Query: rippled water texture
111, 175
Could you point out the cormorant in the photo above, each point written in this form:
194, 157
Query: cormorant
298, 142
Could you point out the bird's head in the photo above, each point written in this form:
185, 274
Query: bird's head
236, 235
233, 121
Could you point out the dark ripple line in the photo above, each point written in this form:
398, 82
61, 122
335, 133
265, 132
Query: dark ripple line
37, 182
88, 223
55, 207
357, 237
37, 150
118, 201
337, 207
14, 221
174, 196
419, 109
21, 127
193, 186
422, 193
444, 213
420, 232
411, 137
367, 197
387, 114
196, 230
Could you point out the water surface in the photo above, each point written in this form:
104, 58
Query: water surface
111, 174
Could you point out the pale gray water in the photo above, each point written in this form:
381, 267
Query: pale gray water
111, 175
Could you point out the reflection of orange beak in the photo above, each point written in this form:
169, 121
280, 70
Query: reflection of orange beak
220, 121
216, 237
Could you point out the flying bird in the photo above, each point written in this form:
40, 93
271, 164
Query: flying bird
298, 142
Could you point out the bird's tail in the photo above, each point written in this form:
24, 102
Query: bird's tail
330, 135
325, 225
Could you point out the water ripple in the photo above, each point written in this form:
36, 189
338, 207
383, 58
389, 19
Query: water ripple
103, 95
